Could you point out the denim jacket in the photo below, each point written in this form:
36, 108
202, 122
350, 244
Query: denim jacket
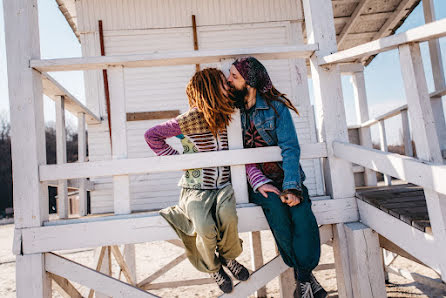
278, 130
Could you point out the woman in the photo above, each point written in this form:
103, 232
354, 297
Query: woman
278, 186
205, 218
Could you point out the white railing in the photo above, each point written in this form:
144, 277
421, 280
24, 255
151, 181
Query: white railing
65, 101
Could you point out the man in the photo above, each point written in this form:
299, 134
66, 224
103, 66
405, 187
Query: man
277, 187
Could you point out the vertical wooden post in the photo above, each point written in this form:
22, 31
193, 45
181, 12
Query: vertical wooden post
426, 140
61, 156
27, 138
438, 75
362, 112
82, 154
104, 266
329, 103
364, 252
121, 184
383, 146
407, 140
195, 34
257, 257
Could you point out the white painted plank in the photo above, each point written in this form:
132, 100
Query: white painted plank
329, 103
383, 146
425, 137
172, 58
268, 271
238, 172
407, 140
255, 246
91, 278
422, 33
144, 227
159, 164
32, 280
121, 183
61, 156
362, 114
409, 169
82, 156
342, 262
438, 75
53, 90
350, 68
420, 245
364, 252
385, 116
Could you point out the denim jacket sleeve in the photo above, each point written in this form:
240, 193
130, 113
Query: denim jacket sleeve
289, 145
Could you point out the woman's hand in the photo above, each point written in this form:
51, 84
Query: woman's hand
290, 199
265, 188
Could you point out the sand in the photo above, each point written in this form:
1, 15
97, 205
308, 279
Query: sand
154, 255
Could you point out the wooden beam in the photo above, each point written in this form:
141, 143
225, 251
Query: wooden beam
385, 116
425, 137
74, 184
173, 58
255, 243
383, 146
158, 164
259, 278
156, 115
354, 18
67, 288
181, 283
437, 74
418, 244
350, 68
425, 174
91, 278
364, 252
84, 184
61, 156
389, 26
145, 227
53, 90
122, 264
30, 197
422, 33
438, 93
362, 114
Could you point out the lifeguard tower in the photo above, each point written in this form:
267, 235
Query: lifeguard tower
138, 55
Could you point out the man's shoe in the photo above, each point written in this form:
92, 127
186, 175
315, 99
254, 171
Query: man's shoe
237, 270
318, 290
305, 290
223, 281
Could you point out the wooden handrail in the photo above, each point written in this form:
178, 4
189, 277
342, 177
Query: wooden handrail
426, 32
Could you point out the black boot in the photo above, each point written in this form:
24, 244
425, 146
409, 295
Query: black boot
223, 281
318, 290
238, 270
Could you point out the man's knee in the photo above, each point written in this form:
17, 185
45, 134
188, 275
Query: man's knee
228, 215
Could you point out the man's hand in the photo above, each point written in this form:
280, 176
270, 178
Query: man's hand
290, 199
265, 188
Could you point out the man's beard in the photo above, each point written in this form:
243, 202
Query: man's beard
238, 97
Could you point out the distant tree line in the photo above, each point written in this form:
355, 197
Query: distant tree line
6, 190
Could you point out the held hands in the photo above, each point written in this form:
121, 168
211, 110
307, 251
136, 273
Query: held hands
288, 197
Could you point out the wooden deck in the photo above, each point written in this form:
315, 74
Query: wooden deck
405, 202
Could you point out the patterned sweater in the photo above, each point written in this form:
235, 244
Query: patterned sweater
195, 136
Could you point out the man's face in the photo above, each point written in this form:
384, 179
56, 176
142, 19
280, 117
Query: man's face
239, 88
235, 79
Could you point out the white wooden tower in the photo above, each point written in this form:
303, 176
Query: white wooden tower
149, 55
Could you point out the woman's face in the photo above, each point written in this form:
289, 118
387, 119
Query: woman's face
224, 86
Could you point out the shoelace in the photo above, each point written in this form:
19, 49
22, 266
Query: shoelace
235, 267
219, 279
315, 284
305, 289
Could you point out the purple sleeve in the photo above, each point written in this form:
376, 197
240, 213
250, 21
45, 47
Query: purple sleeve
156, 136
256, 177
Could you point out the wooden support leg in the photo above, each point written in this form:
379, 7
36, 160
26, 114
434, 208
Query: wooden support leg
31, 278
257, 257
342, 262
364, 252
130, 259
104, 265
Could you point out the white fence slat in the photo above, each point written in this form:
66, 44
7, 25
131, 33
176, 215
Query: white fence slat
383, 146
82, 156
91, 278
144, 227
61, 156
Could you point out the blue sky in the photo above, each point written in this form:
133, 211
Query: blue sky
383, 77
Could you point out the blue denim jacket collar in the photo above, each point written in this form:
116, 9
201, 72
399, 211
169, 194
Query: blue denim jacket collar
261, 102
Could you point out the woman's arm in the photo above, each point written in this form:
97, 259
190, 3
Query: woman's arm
256, 177
157, 135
